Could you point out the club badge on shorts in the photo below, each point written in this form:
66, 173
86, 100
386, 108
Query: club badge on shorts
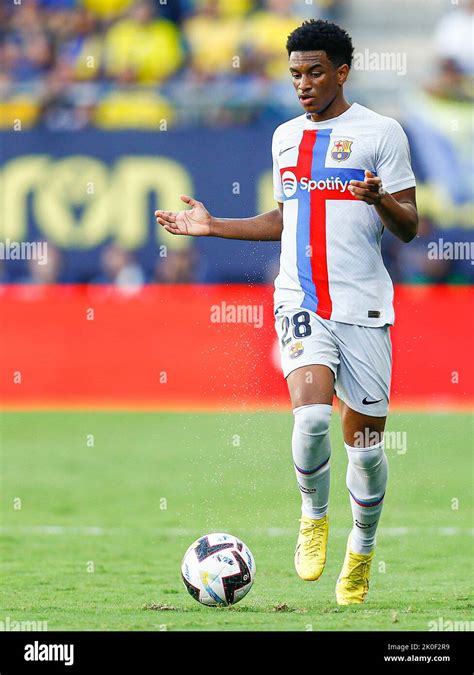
296, 350
341, 150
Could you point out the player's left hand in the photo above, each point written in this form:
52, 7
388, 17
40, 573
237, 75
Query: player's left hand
369, 191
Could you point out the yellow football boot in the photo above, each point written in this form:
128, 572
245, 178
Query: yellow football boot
353, 583
310, 554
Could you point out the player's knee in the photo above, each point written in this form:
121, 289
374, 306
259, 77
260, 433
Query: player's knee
366, 459
313, 420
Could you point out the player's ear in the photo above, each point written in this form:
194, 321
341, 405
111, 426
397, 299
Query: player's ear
342, 73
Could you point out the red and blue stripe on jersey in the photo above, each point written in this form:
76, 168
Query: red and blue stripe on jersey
311, 246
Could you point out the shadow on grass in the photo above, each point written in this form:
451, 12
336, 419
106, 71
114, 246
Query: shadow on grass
245, 609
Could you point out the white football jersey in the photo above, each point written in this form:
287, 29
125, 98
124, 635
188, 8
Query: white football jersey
331, 261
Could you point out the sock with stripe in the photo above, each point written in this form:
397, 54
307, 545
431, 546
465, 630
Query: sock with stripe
311, 452
366, 480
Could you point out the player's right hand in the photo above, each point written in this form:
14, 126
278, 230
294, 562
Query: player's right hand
195, 222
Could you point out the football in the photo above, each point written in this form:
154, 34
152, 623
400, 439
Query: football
218, 570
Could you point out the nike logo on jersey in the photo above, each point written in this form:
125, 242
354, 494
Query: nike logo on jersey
366, 402
282, 152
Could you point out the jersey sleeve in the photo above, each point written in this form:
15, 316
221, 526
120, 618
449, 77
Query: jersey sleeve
277, 186
393, 162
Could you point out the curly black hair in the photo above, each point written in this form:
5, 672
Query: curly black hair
318, 35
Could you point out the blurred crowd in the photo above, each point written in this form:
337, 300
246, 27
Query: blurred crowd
453, 43
71, 64
427, 259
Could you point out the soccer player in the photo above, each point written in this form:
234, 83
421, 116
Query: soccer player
341, 175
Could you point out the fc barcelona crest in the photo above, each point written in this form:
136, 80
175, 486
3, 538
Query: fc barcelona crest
296, 350
341, 150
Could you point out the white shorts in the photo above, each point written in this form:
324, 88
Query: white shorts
359, 356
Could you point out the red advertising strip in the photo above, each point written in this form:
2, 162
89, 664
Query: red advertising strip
203, 347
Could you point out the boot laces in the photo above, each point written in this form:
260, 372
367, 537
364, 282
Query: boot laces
359, 573
313, 534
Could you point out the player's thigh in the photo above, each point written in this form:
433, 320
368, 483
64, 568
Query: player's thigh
309, 356
360, 430
311, 384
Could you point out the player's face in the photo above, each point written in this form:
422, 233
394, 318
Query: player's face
317, 81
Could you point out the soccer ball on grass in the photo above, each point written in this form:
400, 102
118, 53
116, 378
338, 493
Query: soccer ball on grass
218, 570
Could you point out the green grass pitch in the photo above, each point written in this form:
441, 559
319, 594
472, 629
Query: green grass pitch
110, 502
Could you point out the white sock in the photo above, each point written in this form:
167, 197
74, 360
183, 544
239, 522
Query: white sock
311, 452
366, 480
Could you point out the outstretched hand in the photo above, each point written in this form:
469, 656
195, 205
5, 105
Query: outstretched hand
195, 222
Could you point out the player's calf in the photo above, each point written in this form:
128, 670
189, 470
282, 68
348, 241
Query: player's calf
311, 454
366, 479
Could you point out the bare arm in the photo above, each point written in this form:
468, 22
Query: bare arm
397, 211
198, 222
265, 227
399, 214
